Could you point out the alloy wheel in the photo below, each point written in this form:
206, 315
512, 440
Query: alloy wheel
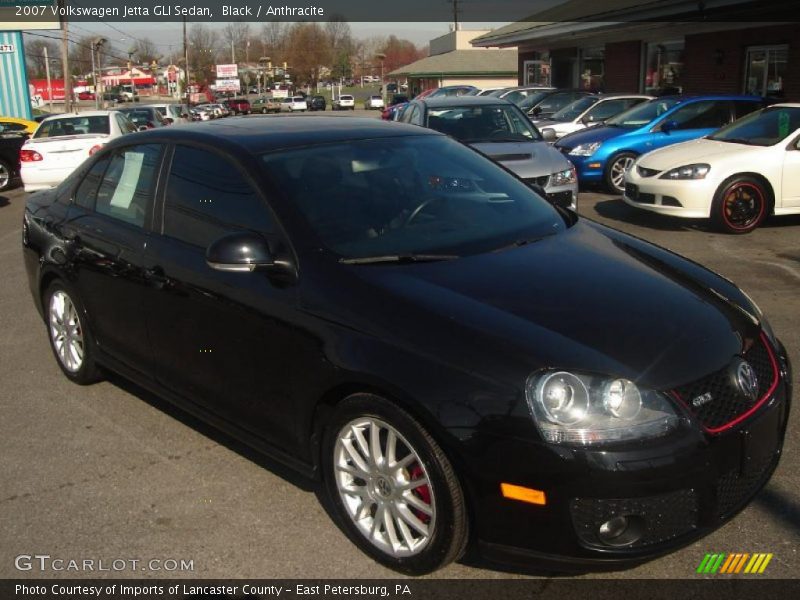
384, 487
618, 169
5, 176
66, 331
742, 205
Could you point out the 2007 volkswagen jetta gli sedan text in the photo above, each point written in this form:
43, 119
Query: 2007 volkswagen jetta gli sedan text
383, 308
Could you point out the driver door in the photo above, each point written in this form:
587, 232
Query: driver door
791, 178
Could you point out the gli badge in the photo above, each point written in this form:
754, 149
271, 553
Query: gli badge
745, 379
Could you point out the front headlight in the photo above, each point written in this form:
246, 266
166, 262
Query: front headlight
582, 409
566, 177
585, 149
698, 171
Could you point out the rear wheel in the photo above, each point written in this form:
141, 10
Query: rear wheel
70, 338
5, 175
615, 171
392, 488
740, 205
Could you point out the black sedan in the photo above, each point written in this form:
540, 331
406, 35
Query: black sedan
381, 307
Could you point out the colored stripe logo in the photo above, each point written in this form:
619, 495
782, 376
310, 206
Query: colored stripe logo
735, 563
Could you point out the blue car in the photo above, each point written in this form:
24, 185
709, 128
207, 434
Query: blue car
602, 154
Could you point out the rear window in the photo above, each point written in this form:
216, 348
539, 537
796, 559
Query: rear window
345, 97
76, 125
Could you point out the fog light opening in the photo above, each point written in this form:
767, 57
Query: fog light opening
622, 530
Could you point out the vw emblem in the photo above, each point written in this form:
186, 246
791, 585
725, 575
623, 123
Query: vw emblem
746, 379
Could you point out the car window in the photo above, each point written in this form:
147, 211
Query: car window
126, 189
558, 101
5, 127
609, 108
764, 128
77, 125
499, 123
408, 195
86, 192
705, 114
642, 114
742, 108
125, 124
207, 197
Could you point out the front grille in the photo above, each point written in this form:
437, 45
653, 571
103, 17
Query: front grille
734, 489
563, 199
664, 517
632, 192
542, 181
644, 172
726, 403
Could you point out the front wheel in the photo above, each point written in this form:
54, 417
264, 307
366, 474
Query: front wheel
615, 171
70, 337
740, 205
392, 488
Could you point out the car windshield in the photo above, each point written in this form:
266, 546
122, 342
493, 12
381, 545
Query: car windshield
766, 127
572, 111
490, 123
642, 114
406, 196
140, 117
531, 100
73, 126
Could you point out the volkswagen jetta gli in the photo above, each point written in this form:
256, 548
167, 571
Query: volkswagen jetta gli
381, 307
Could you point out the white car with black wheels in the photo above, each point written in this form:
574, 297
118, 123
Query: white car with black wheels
737, 176
61, 143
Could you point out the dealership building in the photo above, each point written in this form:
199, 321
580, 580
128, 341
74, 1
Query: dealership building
659, 46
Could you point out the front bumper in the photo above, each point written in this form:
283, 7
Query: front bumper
676, 489
689, 199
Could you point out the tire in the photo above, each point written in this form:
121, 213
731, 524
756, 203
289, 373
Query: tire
70, 331
427, 526
615, 170
740, 205
6, 175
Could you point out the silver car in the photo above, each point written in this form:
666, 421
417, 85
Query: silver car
501, 131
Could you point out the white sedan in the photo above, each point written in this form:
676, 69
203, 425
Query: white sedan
737, 176
588, 111
61, 143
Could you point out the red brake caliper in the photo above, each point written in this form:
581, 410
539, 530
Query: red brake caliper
423, 492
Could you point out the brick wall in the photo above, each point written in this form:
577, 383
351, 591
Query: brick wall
622, 66
715, 62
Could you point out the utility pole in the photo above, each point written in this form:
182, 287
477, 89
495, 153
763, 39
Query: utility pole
186, 68
233, 54
47, 72
62, 4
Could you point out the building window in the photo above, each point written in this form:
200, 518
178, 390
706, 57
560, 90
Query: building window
765, 70
663, 68
537, 71
591, 68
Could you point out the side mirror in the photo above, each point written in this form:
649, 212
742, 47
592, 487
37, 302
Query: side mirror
535, 111
240, 252
587, 119
169, 120
549, 134
668, 126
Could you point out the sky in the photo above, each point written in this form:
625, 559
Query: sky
169, 35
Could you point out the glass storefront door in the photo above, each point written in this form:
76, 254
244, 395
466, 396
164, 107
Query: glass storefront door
765, 70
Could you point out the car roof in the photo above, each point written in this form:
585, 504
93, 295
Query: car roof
256, 133
685, 97
445, 101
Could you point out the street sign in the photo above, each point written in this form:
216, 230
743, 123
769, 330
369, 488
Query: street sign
227, 85
227, 71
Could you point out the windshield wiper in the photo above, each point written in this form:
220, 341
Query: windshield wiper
397, 258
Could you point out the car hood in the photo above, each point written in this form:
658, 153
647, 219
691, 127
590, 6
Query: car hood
526, 159
600, 133
589, 299
696, 151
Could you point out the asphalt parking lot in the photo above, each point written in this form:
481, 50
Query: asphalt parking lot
111, 472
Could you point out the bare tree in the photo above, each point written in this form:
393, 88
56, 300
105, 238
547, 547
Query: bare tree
35, 61
146, 51
236, 37
273, 39
203, 49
